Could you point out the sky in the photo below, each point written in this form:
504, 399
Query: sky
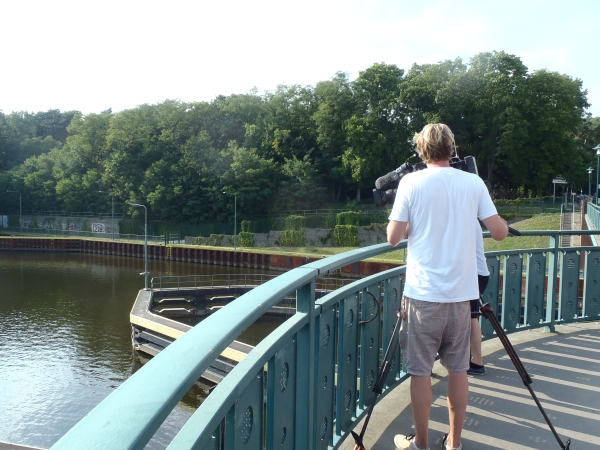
94, 55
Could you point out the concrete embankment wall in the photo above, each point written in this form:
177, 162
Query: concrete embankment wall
314, 237
192, 254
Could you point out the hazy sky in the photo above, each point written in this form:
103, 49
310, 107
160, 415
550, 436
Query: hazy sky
93, 55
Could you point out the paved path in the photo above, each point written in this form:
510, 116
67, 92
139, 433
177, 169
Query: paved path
565, 368
7, 446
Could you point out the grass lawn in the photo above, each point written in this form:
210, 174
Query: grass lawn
539, 222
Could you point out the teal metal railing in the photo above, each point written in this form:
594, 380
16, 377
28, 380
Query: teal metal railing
234, 279
593, 212
309, 382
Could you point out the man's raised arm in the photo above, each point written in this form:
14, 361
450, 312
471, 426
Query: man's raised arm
396, 232
497, 227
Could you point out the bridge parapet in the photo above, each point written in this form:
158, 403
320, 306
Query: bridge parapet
309, 382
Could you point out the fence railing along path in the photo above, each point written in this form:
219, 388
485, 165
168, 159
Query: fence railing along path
308, 383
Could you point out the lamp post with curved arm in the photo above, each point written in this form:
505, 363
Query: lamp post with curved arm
597, 148
20, 210
112, 201
145, 272
234, 218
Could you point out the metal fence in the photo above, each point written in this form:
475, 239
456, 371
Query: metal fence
326, 284
72, 233
528, 206
308, 383
323, 212
73, 214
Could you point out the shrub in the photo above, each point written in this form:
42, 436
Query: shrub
292, 238
295, 223
246, 239
215, 240
348, 218
345, 236
248, 226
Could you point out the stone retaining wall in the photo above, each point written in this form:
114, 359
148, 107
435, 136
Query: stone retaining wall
65, 223
315, 237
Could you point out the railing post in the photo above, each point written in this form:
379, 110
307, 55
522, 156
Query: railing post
305, 392
552, 272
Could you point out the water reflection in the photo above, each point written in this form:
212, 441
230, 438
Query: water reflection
65, 339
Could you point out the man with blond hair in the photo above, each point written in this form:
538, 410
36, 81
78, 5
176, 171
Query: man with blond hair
438, 207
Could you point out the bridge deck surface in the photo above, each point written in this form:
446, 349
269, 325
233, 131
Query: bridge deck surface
565, 368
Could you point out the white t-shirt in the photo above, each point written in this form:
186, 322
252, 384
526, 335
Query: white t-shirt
441, 205
482, 268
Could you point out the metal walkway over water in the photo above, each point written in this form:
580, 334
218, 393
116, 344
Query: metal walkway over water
297, 389
501, 414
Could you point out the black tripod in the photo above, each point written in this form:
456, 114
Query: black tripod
386, 365
489, 314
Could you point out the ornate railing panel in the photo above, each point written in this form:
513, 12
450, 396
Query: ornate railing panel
309, 382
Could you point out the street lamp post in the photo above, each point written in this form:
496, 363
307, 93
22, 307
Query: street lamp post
597, 148
145, 272
234, 219
20, 210
590, 170
112, 220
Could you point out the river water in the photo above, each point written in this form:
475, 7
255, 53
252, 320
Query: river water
65, 339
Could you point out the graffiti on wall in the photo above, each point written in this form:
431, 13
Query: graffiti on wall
71, 226
98, 228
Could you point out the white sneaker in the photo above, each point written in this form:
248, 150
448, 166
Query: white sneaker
406, 442
447, 446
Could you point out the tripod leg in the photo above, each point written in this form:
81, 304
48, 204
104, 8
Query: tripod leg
489, 314
386, 365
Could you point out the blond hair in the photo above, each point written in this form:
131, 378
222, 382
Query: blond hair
435, 142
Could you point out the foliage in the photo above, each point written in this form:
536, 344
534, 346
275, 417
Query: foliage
292, 238
345, 236
215, 240
248, 226
348, 218
295, 223
300, 147
246, 239
320, 221
13, 220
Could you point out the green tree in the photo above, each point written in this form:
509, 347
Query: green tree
487, 120
36, 181
424, 97
87, 140
255, 181
553, 107
53, 123
336, 105
377, 132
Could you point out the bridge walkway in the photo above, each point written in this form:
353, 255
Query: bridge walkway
501, 414
570, 221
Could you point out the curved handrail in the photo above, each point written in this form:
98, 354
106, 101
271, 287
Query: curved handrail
130, 415
128, 418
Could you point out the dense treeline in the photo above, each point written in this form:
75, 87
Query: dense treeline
301, 147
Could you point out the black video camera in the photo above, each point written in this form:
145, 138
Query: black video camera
387, 185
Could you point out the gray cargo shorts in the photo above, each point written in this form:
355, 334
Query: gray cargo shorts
429, 328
